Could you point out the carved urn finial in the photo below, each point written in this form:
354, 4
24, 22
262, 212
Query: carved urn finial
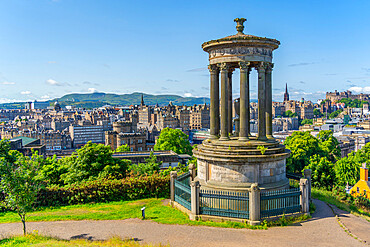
240, 24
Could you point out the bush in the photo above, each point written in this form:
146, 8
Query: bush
106, 190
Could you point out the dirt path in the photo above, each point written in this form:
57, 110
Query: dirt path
322, 230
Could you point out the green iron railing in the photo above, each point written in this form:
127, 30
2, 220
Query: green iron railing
278, 202
183, 191
223, 203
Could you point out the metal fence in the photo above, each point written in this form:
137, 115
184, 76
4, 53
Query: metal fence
183, 191
223, 203
278, 202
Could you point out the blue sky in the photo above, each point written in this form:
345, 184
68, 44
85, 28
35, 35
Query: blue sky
49, 48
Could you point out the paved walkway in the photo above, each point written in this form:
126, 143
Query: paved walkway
322, 230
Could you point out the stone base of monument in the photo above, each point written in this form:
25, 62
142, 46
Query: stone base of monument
235, 165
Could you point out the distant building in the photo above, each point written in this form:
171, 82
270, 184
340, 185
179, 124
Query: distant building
337, 96
286, 94
26, 145
80, 135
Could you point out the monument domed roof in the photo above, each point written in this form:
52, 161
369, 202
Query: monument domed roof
240, 38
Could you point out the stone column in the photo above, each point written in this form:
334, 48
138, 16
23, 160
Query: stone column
244, 111
254, 205
307, 175
215, 101
230, 101
224, 67
195, 187
173, 175
268, 96
305, 204
192, 171
261, 102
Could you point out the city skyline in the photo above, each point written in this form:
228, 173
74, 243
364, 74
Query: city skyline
55, 47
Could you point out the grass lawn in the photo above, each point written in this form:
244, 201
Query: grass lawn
328, 197
36, 240
155, 211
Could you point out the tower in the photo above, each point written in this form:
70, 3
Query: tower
230, 161
286, 94
142, 100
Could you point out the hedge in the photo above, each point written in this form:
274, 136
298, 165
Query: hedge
106, 190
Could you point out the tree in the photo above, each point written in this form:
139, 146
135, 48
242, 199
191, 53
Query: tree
289, 113
335, 114
122, 149
323, 175
175, 140
52, 169
317, 113
148, 168
20, 183
302, 146
93, 161
306, 121
347, 169
329, 145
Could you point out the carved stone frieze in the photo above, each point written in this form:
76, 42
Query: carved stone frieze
228, 51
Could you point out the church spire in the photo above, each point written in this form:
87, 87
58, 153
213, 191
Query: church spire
286, 94
142, 99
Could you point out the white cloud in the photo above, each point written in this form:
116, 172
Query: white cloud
92, 90
5, 100
25, 92
53, 82
360, 89
45, 97
187, 94
8, 83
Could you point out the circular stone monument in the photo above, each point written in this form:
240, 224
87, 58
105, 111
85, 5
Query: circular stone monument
229, 160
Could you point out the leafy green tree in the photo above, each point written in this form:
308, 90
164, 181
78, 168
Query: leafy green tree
122, 149
347, 169
317, 113
335, 113
302, 146
306, 121
93, 161
363, 155
52, 169
20, 183
329, 145
150, 166
323, 174
175, 140
289, 113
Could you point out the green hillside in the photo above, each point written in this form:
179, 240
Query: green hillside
93, 100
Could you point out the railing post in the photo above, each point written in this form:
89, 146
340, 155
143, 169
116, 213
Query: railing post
195, 187
305, 204
307, 175
192, 171
173, 175
255, 205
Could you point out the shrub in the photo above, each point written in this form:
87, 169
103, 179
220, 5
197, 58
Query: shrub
105, 190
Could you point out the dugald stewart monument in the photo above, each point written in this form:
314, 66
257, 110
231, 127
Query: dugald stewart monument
233, 160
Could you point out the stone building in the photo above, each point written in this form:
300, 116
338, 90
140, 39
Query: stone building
199, 117
135, 141
81, 134
336, 96
167, 121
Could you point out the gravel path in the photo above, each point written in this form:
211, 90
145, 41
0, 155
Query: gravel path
322, 230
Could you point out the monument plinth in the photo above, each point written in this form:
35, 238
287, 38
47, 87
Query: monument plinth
234, 161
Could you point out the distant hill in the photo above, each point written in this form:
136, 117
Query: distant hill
129, 99
93, 100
